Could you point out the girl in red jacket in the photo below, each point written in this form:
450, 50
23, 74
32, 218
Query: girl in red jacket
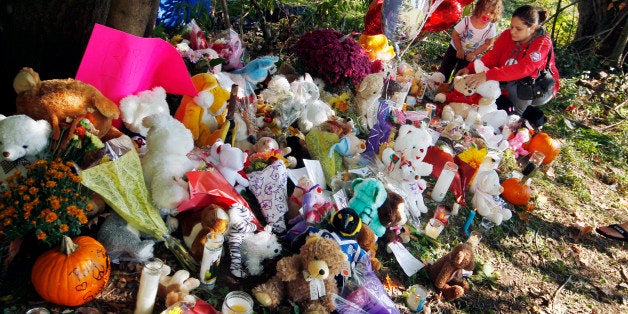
518, 52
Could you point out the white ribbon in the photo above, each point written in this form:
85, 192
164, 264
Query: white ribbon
317, 286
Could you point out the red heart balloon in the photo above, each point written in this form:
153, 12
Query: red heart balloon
444, 17
372, 19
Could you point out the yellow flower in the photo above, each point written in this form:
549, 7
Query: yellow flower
64, 228
473, 156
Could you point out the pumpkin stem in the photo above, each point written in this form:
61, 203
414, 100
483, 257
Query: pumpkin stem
67, 246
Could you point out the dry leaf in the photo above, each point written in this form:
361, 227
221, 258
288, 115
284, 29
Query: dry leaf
525, 217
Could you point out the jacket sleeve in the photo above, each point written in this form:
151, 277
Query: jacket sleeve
527, 65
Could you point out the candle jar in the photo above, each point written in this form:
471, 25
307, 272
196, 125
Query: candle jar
442, 213
487, 224
416, 297
212, 252
38, 310
533, 163
237, 302
149, 283
433, 228
474, 238
444, 181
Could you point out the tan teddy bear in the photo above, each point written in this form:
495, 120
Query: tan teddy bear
306, 278
196, 224
367, 95
60, 100
447, 272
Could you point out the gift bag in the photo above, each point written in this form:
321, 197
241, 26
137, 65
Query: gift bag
318, 144
270, 188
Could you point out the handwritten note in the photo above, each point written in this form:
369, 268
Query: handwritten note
120, 64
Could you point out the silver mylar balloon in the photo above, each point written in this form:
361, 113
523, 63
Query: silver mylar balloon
402, 20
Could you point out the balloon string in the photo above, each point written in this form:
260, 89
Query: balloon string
433, 8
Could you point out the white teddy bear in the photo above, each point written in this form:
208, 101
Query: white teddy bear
486, 198
314, 111
21, 137
404, 165
256, 247
165, 162
229, 161
134, 108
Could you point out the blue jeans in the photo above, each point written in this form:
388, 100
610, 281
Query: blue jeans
520, 104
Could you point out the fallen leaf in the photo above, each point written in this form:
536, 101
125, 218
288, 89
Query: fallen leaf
525, 217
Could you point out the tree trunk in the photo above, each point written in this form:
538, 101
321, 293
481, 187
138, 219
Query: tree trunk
618, 56
134, 17
49, 36
600, 24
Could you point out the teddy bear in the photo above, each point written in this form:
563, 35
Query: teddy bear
447, 272
257, 247
22, 136
176, 288
206, 113
196, 224
392, 214
403, 163
22, 139
349, 147
486, 198
306, 278
367, 96
229, 161
134, 108
165, 163
472, 104
123, 241
368, 195
60, 100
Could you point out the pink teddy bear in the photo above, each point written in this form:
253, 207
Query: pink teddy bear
516, 143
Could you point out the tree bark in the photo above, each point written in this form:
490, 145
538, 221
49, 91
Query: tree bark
618, 56
600, 24
49, 36
134, 17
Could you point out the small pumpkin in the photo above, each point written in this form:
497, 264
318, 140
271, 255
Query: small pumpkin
543, 143
73, 273
516, 192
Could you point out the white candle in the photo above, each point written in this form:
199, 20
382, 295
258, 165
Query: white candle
433, 228
211, 258
237, 302
444, 181
149, 283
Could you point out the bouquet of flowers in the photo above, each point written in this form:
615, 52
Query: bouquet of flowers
332, 56
48, 202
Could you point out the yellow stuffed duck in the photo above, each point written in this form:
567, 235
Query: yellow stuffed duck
205, 114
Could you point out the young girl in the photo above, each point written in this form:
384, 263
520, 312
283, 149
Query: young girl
472, 36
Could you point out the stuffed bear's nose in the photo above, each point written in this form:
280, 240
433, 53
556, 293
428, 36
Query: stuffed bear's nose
6, 154
321, 272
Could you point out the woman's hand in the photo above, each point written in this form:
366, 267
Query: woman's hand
460, 54
471, 57
463, 71
474, 80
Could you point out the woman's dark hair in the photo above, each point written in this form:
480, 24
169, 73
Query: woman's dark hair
530, 15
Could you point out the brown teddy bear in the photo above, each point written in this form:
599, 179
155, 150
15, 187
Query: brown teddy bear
59, 101
392, 214
306, 278
196, 224
446, 272
367, 240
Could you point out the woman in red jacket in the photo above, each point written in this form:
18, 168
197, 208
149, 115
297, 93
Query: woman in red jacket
519, 52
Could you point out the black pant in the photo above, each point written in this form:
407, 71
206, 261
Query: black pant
450, 64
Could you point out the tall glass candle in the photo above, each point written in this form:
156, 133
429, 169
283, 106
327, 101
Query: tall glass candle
444, 181
212, 253
237, 302
149, 283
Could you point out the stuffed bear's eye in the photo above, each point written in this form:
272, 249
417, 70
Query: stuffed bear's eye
276, 250
316, 258
25, 146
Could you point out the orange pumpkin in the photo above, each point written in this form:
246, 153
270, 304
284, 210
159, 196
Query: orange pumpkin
516, 192
73, 273
543, 143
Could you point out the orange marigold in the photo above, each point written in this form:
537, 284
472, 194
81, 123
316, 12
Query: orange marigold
41, 235
51, 184
33, 190
64, 228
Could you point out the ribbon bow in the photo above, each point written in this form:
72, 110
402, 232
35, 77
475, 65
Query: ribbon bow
317, 286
